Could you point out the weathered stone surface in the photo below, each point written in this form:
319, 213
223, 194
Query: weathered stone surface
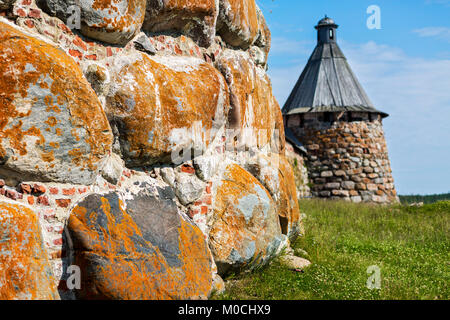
255, 111
194, 18
25, 272
6, 4
146, 251
237, 23
111, 21
52, 126
245, 231
161, 105
264, 39
294, 262
358, 168
276, 175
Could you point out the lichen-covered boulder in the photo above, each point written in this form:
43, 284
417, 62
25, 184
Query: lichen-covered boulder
237, 23
25, 272
244, 226
276, 174
111, 21
263, 41
146, 251
52, 126
255, 111
193, 18
162, 105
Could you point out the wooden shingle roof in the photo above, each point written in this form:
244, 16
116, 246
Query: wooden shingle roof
328, 84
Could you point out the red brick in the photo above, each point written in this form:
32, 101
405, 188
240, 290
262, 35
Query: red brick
82, 190
208, 189
34, 13
187, 169
91, 57
193, 212
207, 200
54, 190
58, 242
63, 203
26, 2
43, 200
30, 200
68, 192
21, 13
204, 209
64, 28
12, 194
79, 43
25, 188
29, 23
39, 188
109, 52
75, 53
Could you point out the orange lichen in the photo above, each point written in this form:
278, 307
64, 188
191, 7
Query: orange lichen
29, 62
128, 272
244, 220
239, 22
25, 272
252, 98
151, 107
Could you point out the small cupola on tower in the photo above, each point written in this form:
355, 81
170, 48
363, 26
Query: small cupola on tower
326, 30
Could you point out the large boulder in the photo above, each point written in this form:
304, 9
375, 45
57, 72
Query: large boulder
244, 227
162, 105
194, 18
237, 23
255, 111
25, 272
276, 174
146, 251
111, 21
52, 125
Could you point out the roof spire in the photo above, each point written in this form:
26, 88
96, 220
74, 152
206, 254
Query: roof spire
326, 30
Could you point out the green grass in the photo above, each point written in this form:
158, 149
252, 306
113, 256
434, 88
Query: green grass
411, 245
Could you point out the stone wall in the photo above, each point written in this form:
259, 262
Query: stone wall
145, 146
346, 160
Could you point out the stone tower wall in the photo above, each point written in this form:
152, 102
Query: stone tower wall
347, 160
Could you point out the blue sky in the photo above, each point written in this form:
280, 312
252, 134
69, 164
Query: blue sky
404, 67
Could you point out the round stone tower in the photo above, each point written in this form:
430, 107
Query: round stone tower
329, 112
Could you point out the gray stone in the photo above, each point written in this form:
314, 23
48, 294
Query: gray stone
326, 174
142, 43
333, 185
293, 262
349, 185
113, 22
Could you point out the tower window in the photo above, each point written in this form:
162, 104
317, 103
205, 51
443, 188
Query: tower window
331, 34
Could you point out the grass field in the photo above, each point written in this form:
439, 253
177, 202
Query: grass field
410, 245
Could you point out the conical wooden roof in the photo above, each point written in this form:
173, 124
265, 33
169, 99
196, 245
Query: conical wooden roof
328, 84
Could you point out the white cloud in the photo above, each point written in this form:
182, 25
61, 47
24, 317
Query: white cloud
442, 33
416, 93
